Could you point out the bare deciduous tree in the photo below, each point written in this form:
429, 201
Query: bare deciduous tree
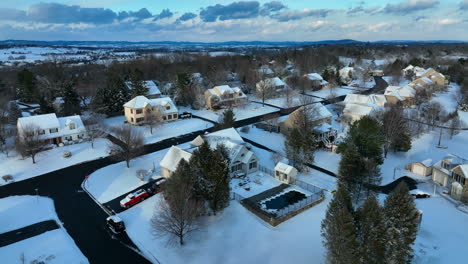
394, 123
29, 141
153, 120
94, 125
130, 142
178, 215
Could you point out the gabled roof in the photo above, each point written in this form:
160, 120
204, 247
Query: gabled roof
275, 82
314, 77
173, 157
141, 102
152, 87
358, 109
464, 169
46, 121
66, 121
284, 168
400, 92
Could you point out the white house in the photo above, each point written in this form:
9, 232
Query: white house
62, 130
224, 95
285, 173
272, 84
357, 105
153, 90
243, 161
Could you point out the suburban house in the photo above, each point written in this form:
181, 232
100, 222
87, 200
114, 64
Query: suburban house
358, 105
319, 114
243, 161
153, 90
422, 168
451, 172
436, 77
224, 95
285, 173
396, 94
423, 83
413, 70
346, 74
316, 81
55, 130
172, 159
265, 71
140, 109
272, 84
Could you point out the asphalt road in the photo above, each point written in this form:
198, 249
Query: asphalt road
83, 219
27, 232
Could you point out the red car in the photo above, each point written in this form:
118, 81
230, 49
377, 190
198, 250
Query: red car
134, 198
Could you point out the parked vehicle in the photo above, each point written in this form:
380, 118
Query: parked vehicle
157, 185
115, 224
134, 198
185, 115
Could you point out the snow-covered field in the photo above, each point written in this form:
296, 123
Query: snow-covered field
114, 180
233, 236
54, 246
51, 160
165, 130
240, 112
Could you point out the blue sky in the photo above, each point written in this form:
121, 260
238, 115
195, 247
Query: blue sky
223, 20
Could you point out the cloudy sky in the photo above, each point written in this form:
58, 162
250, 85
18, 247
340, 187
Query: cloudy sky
223, 20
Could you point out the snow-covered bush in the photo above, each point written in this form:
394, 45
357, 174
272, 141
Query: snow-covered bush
66, 154
141, 174
7, 178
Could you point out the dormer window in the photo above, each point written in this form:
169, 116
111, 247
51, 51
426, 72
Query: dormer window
168, 107
72, 126
445, 165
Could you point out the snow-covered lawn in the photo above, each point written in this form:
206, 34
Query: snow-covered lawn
448, 98
240, 112
233, 236
54, 246
256, 183
442, 236
165, 130
423, 148
51, 160
272, 140
114, 180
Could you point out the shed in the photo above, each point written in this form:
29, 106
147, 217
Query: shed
423, 168
285, 173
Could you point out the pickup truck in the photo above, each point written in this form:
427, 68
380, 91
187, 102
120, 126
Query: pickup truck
134, 198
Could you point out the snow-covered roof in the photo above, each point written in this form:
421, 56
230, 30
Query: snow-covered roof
223, 135
275, 81
314, 77
284, 168
400, 91
141, 102
358, 109
173, 157
322, 128
265, 70
356, 99
46, 121
152, 87
427, 162
464, 169
409, 68
65, 123
427, 80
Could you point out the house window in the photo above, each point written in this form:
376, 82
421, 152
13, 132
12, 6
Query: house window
168, 107
69, 138
164, 117
169, 117
277, 173
131, 111
285, 177
139, 111
80, 136
53, 130
41, 132
138, 120
236, 167
252, 165
148, 110
131, 119
175, 116
445, 165
72, 126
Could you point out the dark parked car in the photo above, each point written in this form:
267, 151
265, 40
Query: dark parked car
157, 185
185, 115
115, 224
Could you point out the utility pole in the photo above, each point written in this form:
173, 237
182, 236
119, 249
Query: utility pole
440, 136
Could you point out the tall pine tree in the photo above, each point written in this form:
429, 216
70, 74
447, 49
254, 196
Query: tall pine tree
219, 179
137, 83
227, 120
111, 98
401, 221
371, 225
71, 100
299, 148
26, 89
339, 230
185, 94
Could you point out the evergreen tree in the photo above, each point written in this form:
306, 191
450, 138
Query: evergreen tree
219, 179
26, 90
371, 234
185, 94
200, 164
401, 221
299, 148
366, 135
14, 112
352, 173
137, 83
227, 120
46, 105
182, 175
71, 100
339, 230
403, 143
111, 98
